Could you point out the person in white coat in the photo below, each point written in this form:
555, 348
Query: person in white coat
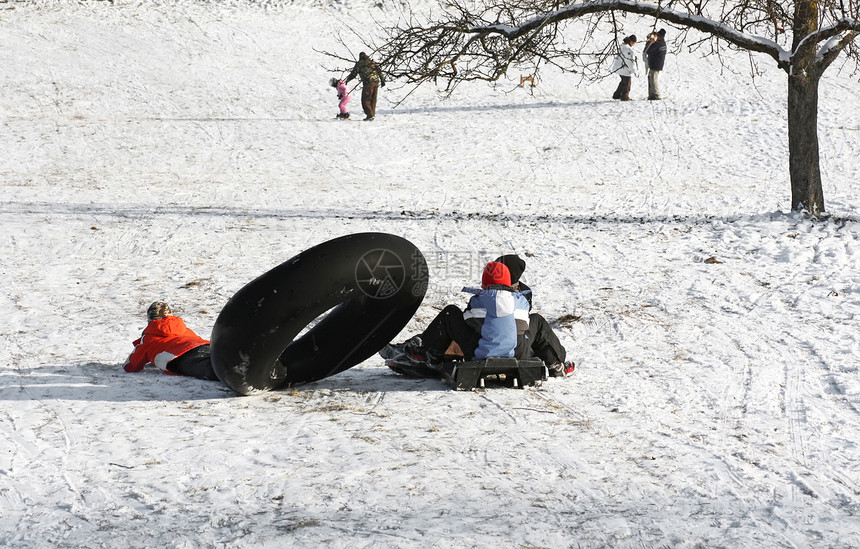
626, 66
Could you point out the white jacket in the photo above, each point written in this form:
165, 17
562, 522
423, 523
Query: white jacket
626, 64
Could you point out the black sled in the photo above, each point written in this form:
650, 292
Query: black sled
504, 372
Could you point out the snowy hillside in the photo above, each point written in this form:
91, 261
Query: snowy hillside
177, 150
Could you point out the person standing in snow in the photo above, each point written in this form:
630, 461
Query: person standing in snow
343, 95
170, 346
626, 66
371, 79
655, 55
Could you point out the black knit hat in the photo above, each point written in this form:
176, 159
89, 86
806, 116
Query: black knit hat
515, 264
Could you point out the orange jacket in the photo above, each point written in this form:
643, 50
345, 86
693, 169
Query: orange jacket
163, 340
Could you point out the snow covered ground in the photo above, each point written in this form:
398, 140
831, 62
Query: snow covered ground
177, 150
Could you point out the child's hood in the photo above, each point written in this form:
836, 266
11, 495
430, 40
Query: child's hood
169, 325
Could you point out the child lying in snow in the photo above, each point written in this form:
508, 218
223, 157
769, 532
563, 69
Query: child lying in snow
170, 346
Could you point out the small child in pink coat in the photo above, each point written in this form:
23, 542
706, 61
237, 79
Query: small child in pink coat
342, 94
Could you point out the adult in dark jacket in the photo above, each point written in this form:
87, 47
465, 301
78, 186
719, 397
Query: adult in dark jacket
371, 78
544, 343
655, 56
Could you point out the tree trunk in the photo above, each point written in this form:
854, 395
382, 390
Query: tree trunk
803, 162
803, 77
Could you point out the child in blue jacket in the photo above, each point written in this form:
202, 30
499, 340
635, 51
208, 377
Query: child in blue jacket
497, 314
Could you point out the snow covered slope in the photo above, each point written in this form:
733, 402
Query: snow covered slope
177, 150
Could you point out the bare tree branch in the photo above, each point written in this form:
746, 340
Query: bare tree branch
484, 39
482, 42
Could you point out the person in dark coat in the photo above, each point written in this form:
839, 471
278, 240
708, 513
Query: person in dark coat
655, 57
371, 79
545, 345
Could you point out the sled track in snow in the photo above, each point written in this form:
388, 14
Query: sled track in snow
814, 373
50, 436
150, 211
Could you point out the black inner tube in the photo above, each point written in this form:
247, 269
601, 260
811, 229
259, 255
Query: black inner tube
371, 284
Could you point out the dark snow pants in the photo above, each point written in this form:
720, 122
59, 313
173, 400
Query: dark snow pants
449, 326
195, 363
623, 90
368, 98
543, 341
